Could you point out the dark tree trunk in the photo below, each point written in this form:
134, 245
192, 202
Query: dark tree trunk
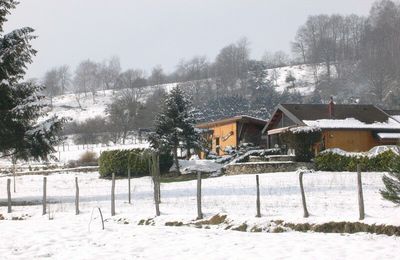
175, 151
188, 154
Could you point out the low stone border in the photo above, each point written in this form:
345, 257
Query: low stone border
264, 167
279, 226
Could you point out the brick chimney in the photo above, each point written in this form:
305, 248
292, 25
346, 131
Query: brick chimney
331, 108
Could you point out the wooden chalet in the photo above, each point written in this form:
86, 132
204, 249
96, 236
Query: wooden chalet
231, 132
353, 128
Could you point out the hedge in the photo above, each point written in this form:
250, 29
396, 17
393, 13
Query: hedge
117, 161
336, 162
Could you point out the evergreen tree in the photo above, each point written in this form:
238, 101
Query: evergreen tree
257, 77
24, 131
174, 125
392, 184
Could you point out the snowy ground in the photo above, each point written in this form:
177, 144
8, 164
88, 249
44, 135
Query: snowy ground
68, 152
330, 197
70, 239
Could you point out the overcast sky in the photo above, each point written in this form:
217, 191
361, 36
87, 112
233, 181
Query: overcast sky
144, 33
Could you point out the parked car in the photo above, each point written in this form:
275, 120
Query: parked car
374, 151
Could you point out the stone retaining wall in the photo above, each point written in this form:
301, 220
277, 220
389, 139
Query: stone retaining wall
264, 167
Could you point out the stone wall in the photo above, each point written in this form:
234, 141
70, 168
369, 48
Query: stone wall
264, 167
272, 158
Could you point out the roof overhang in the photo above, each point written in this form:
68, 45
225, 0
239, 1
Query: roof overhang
386, 136
282, 109
277, 131
241, 119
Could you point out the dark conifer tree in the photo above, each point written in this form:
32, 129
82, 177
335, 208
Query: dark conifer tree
174, 125
392, 184
25, 130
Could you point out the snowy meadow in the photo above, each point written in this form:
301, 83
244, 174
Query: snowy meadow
331, 196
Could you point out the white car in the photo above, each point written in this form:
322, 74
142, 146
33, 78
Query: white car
374, 151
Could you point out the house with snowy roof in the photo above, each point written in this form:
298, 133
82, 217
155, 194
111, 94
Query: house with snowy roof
351, 127
231, 132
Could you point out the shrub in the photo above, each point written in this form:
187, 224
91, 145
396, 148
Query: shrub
337, 162
302, 139
88, 158
118, 161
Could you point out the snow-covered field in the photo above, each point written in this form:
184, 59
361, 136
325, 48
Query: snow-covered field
330, 197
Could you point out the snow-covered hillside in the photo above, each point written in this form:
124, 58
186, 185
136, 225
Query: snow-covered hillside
304, 76
67, 105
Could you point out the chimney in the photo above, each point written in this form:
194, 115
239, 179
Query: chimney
331, 108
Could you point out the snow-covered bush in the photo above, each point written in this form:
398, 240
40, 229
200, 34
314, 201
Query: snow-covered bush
329, 161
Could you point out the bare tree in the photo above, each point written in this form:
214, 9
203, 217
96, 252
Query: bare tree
123, 112
380, 56
231, 63
157, 76
65, 78
87, 78
109, 72
276, 59
51, 81
131, 79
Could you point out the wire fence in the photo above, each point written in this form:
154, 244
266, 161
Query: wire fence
328, 195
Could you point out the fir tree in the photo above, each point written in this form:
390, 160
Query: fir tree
174, 125
24, 130
392, 184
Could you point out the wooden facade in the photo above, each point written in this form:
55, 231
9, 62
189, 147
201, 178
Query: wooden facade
349, 140
231, 132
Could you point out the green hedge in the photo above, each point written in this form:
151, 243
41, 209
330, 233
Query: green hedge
117, 161
336, 162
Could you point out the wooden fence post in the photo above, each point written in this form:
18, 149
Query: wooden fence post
129, 185
258, 197
360, 193
199, 213
113, 195
14, 161
44, 195
155, 172
76, 196
303, 195
9, 195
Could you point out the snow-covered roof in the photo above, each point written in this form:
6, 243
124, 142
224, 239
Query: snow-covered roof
352, 123
241, 118
389, 135
304, 129
396, 117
